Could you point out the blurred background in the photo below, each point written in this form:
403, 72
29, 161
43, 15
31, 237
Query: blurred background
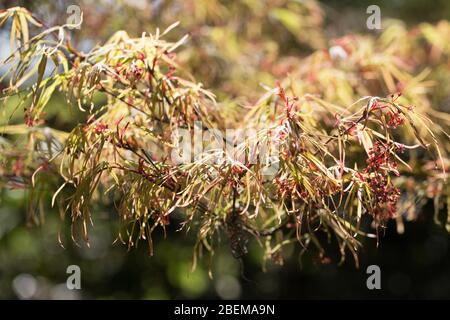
234, 46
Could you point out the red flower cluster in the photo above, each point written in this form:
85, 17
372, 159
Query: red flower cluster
29, 120
394, 119
140, 56
132, 73
288, 188
135, 72
380, 158
18, 167
100, 128
284, 186
237, 169
385, 195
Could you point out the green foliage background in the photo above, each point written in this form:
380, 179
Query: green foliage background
414, 265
